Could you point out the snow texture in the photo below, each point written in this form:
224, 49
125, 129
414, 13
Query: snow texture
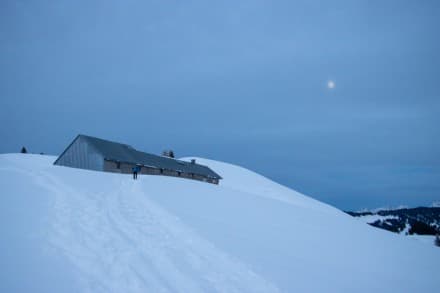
72, 230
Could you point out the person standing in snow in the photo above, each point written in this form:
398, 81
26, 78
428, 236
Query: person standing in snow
135, 170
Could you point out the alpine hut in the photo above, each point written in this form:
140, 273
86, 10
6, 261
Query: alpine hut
91, 153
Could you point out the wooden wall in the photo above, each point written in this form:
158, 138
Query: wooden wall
125, 168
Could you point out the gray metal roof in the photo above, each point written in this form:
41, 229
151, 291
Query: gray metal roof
124, 153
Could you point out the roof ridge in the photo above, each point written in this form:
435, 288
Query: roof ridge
105, 140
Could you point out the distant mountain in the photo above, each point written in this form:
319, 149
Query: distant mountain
408, 221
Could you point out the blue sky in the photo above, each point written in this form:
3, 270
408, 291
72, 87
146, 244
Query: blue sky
238, 81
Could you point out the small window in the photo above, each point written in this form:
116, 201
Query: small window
118, 165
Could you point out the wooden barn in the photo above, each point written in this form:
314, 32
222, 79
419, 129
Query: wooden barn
91, 153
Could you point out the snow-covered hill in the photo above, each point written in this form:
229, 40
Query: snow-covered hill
406, 221
71, 230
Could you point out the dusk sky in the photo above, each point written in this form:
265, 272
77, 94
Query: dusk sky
339, 100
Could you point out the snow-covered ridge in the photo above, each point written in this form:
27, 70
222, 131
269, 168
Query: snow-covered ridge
369, 219
420, 220
72, 230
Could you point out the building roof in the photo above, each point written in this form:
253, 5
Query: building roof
119, 152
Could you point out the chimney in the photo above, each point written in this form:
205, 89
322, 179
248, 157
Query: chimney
193, 161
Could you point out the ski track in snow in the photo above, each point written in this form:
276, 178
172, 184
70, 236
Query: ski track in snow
124, 242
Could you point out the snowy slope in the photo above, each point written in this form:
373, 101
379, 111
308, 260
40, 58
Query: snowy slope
70, 230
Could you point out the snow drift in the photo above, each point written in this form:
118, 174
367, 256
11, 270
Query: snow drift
72, 230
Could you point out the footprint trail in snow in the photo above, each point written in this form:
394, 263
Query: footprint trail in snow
123, 241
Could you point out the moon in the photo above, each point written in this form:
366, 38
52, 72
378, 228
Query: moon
331, 84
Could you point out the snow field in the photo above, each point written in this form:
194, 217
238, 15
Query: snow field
70, 230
